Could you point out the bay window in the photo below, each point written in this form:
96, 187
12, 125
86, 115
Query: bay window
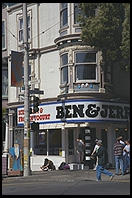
77, 11
63, 15
64, 68
85, 66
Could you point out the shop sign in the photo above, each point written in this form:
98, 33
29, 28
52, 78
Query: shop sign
77, 111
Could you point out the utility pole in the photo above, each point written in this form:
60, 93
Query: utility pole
26, 96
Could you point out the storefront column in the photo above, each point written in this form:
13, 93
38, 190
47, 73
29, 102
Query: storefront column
47, 142
63, 142
111, 141
6, 146
10, 128
32, 142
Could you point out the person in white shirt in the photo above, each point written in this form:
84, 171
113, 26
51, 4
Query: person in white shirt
96, 147
80, 150
126, 156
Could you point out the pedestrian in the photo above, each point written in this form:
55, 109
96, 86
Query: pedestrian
94, 151
48, 165
101, 162
118, 153
80, 150
127, 156
123, 143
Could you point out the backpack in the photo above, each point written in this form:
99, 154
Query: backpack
61, 167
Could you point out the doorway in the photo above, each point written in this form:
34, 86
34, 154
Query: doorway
71, 146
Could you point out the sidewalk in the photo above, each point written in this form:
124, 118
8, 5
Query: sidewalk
65, 175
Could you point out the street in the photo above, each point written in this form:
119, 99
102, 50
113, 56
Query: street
67, 183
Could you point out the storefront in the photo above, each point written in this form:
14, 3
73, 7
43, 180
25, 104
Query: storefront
60, 123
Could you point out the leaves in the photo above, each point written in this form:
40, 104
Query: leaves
108, 29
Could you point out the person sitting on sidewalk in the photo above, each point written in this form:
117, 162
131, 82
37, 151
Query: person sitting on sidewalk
100, 167
48, 165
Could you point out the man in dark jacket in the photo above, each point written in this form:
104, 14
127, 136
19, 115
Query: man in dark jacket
100, 167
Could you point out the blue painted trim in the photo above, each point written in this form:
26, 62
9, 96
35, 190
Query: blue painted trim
79, 121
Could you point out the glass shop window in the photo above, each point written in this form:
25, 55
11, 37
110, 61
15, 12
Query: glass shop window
55, 146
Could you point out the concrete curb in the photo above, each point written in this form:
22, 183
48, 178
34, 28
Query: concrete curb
65, 175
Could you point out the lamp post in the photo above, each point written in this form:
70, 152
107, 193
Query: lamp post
26, 96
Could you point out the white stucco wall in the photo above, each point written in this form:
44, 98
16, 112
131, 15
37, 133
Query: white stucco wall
49, 22
49, 66
50, 74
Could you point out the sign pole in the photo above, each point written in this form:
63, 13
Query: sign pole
26, 95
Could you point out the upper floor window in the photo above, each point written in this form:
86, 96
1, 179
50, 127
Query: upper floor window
85, 66
20, 28
3, 35
4, 82
77, 11
64, 68
63, 15
11, 4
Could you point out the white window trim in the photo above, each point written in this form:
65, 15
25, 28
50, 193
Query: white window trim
67, 65
19, 16
90, 63
64, 28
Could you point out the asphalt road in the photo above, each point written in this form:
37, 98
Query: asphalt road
65, 183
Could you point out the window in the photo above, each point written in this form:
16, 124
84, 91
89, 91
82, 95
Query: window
11, 4
54, 141
21, 29
63, 15
3, 35
71, 141
85, 66
43, 142
77, 11
64, 68
40, 143
4, 83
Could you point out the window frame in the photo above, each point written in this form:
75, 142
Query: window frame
62, 67
4, 21
62, 10
76, 12
85, 63
20, 29
4, 69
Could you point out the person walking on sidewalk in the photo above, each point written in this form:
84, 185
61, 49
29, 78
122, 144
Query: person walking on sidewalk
127, 156
80, 150
94, 151
118, 153
101, 162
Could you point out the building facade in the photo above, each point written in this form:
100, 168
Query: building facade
80, 99
4, 73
